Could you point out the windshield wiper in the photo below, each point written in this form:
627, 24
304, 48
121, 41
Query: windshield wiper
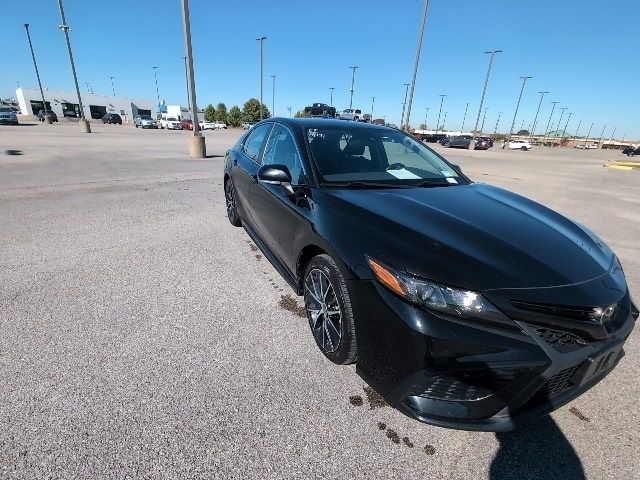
361, 184
431, 183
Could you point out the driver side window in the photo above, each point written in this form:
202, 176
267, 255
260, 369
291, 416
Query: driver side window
281, 149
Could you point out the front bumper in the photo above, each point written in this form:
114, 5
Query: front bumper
472, 375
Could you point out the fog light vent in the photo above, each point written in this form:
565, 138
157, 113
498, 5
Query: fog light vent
470, 385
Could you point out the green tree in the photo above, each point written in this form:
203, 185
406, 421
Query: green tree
221, 113
523, 132
209, 113
300, 114
251, 110
234, 119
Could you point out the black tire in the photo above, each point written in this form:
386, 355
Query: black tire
447, 144
524, 149
232, 209
346, 351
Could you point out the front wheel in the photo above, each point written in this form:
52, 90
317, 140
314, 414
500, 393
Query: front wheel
329, 311
524, 149
232, 209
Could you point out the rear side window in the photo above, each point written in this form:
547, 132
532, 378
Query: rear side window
281, 149
254, 142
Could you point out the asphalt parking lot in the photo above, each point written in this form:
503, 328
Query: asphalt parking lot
142, 336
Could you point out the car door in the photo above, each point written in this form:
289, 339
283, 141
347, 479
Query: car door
245, 169
278, 216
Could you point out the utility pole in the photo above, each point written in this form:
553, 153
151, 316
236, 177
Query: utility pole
465, 117
406, 92
546, 130
425, 116
35, 65
440, 111
495, 130
373, 101
186, 77
261, 40
197, 146
484, 89
331, 89
273, 96
535, 120
113, 90
84, 125
353, 79
415, 67
524, 81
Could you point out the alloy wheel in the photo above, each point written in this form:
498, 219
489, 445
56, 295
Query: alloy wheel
323, 310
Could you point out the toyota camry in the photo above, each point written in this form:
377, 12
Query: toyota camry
464, 305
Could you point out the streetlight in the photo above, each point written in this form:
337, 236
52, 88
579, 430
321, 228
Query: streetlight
484, 89
601, 134
444, 121
483, 119
578, 129
565, 126
35, 65
273, 96
426, 112
353, 78
415, 67
186, 77
289, 108
589, 133
331, 89
406, 92
197, 147
113, 90
261, 40
89, 89
495, 130
561, 115
612, 134
84, 125
524, 80
373, 101
155, 76
535, 120
465, 117
442, 95
546, 130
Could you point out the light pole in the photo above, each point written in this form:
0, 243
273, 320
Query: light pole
273, 96
612, 134
113, 90
560, 120
515, 114
35, 65
406, 92
261, 40
197, 147
565, 126
415, 67
289, 108
331, 89
373, 101
546, 130
495, 130
444, 121
484, 89
601, 134
535, 120
155, 76
186, 77
353, 79
88, 87
589, 133
84, 125
442, 95
426, 112
465, 117
578, 129
483, 119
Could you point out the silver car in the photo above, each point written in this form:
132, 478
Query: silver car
7, 116
144, 121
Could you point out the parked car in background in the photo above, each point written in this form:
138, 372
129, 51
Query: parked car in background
464, 305
458, 141
42, 113
7, 116
112, 118
144, 121
170, 123
628, 149
247, 125
519, 145
354, 114
220, 125
433, 137
634, 152
489, 140
320, 110
69, 113
187, 124
205, 125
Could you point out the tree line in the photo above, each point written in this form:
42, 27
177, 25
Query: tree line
234, 116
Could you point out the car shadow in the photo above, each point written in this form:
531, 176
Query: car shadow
538, 450
214, 156
13, 152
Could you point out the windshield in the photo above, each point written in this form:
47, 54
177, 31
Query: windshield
376, 155
146, 117
171, 119
5, 110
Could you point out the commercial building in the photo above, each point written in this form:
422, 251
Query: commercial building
65, 104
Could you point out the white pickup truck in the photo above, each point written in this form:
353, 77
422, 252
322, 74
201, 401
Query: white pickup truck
170, 123
354, 114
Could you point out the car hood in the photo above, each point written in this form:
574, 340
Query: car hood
478, 236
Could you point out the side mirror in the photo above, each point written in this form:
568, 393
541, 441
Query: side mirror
276, 175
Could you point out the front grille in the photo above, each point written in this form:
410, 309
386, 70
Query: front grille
470, 385
559, 383
561, 341
572, 312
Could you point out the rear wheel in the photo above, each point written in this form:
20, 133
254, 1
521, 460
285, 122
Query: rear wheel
329, 312
447, 144
524, 149
232, 210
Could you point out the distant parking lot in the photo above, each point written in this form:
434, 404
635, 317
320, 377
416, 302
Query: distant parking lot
144, 337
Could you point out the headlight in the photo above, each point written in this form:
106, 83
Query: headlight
433, 296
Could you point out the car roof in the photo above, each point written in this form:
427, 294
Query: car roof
326, 122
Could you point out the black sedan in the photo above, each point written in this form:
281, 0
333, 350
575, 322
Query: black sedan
464, 305
112, 118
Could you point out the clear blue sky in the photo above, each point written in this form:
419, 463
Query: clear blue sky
584, 52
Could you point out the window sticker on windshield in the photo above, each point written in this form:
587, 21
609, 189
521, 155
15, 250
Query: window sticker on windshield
451, 180
448, 173
403, 173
